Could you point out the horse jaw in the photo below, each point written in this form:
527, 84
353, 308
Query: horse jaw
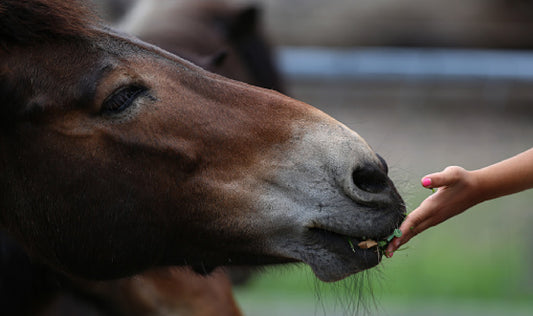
315, 207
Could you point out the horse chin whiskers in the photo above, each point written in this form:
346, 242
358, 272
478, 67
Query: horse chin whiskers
353, 295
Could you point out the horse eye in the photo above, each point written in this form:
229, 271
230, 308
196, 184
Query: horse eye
122, 98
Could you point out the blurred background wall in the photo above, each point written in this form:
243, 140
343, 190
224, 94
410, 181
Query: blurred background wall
457, 23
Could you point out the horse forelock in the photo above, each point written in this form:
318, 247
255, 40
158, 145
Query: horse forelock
24, 22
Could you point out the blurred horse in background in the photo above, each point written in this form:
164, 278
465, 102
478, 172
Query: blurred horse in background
220, 36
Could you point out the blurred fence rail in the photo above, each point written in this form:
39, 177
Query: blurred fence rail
406, 62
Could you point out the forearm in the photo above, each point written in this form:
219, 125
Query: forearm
506, 177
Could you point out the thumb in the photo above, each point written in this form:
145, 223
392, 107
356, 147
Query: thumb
439, 179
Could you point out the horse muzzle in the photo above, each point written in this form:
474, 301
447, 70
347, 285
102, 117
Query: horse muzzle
331, 192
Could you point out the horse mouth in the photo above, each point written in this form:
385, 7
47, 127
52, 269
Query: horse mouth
341, 255
351, 243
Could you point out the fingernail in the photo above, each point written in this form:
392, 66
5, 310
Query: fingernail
390, 254
426, 182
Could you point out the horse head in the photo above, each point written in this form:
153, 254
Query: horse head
118, 156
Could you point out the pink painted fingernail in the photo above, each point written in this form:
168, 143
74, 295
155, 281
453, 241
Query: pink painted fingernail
426, 182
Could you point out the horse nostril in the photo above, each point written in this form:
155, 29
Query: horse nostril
370, 179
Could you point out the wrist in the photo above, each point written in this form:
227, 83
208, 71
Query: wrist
477, 186
483, 185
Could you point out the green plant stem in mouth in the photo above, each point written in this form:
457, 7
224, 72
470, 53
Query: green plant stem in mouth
351, 245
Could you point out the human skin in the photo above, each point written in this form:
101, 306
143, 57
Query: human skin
459, 189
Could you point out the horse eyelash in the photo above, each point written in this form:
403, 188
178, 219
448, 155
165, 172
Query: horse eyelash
123, 98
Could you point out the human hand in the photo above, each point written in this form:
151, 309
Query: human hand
457, 191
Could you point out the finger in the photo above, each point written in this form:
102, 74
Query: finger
433, 180
397, 242
409, 230
446, 177
416, 222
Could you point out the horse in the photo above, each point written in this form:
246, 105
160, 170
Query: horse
118, 157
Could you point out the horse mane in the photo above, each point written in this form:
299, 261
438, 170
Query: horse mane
24, 22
